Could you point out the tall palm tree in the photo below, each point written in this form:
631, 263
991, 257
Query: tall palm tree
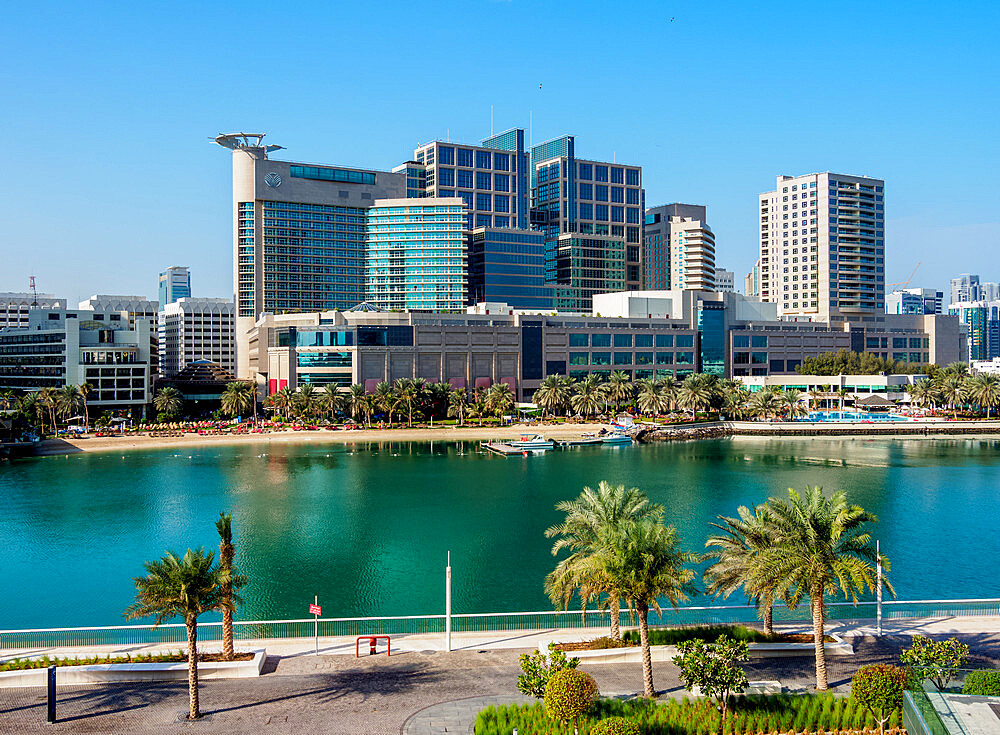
588, 397
85, 390
407, 394
304, 400
668, 387
694, 393
458, 404
984, 391
231, 581
589, 520
67, 401
331, 400
47, 398
619, 389
185, 586
238, 399
791, 400
649, 397
7, 399
951, 388
842, 393
644, 564
500, 399
168, 401
735, 403
551, 394
820, 545
764, 403
961, 369
922, 392
735, 551
369, 405
356, 400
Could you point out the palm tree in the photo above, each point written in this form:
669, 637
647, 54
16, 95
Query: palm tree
238, 398
304, 400
791, 399
951, 388
695, 393
7, 399
644, 564
649, 397
668, 387
369, 405
842, 393
735, 403
186, 586
922, 392
385, 396
356, 400
331, 400
820, 546
231, 581
47, 403
589, 520
619, 389
458, 404
814, 397
500, 399
551, 394
407, 394
984, 391
67, 401
961, 369
85, 390
168, 401
735, 552
588, 397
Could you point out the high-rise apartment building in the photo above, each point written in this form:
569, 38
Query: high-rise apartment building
974, 315
679, 248
175, 283
822, 246
914, 301
594, 200
197, 329
298, 233
14, 307
965, 288
416, 257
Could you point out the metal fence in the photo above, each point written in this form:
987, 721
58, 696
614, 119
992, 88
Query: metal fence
174, 634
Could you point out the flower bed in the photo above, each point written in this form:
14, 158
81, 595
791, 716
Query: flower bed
23, 664
750, 715
673, 636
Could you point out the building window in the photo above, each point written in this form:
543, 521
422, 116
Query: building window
600, 340
623, 358
623, 340
484, 159
600, 358
643, 340
579, 340
578, 358
664, 340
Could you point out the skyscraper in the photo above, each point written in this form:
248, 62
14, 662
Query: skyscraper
822, 246
679, 248
416, 257
196, 329
914, 301
175, 283
298, 233
965, 288
579, 203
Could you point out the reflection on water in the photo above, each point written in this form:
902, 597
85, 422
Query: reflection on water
367, 526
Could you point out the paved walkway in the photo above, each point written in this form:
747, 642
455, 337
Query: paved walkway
458, 716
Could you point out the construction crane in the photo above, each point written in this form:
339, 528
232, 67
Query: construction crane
905, 283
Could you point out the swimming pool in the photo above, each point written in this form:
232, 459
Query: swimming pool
852, 416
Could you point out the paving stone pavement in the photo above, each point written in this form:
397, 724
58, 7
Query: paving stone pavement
377, 695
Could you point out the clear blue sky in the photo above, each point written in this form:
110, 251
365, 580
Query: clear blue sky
109, 176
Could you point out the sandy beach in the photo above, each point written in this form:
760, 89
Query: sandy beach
470, 432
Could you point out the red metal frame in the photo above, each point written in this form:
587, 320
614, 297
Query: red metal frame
373, 640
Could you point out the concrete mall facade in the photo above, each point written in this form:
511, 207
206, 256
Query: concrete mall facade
647, 335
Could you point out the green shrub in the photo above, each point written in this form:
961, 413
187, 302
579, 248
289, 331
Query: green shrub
569, 694
935, 660
879, 687
604, 642
673, 636
539, 667
615, 726
983, 683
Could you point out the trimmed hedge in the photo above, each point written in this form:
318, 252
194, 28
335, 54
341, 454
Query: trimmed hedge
983, 683
569, 694
615, 726
709, 633
751, 714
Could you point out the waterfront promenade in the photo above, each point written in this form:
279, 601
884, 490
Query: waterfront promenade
415, 692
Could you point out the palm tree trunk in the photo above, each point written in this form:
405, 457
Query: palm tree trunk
768, 619
647, 661
616, 631
194, 711
227, 635
819, 635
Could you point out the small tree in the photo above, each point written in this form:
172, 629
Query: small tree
714, 668
935, 660
880, 687
539, 667
570, 694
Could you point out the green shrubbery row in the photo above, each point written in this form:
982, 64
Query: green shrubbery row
984, 683
21, 664
672, 636
749, 714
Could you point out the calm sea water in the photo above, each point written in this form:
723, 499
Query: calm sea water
367, 527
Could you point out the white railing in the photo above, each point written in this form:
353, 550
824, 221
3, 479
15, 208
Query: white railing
174, 634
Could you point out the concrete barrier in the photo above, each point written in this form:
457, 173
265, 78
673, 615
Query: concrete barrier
111, 673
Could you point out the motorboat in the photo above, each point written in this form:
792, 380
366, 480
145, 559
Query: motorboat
617, 437
533, 441
583, 441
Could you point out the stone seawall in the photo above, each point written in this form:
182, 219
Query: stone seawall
717, 429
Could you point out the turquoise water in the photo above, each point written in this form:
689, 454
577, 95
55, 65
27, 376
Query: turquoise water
367, 527
852, 416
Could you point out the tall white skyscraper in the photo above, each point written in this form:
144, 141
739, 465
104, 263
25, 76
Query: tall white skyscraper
822, 246
965, 288
175, 283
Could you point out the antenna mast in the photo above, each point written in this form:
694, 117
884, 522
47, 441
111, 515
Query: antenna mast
34, 291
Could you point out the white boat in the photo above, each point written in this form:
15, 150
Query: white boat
535, 441
582, 441
617, 438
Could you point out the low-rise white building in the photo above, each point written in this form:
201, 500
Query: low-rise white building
986, 366
892, 387
197, 329
14, 307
